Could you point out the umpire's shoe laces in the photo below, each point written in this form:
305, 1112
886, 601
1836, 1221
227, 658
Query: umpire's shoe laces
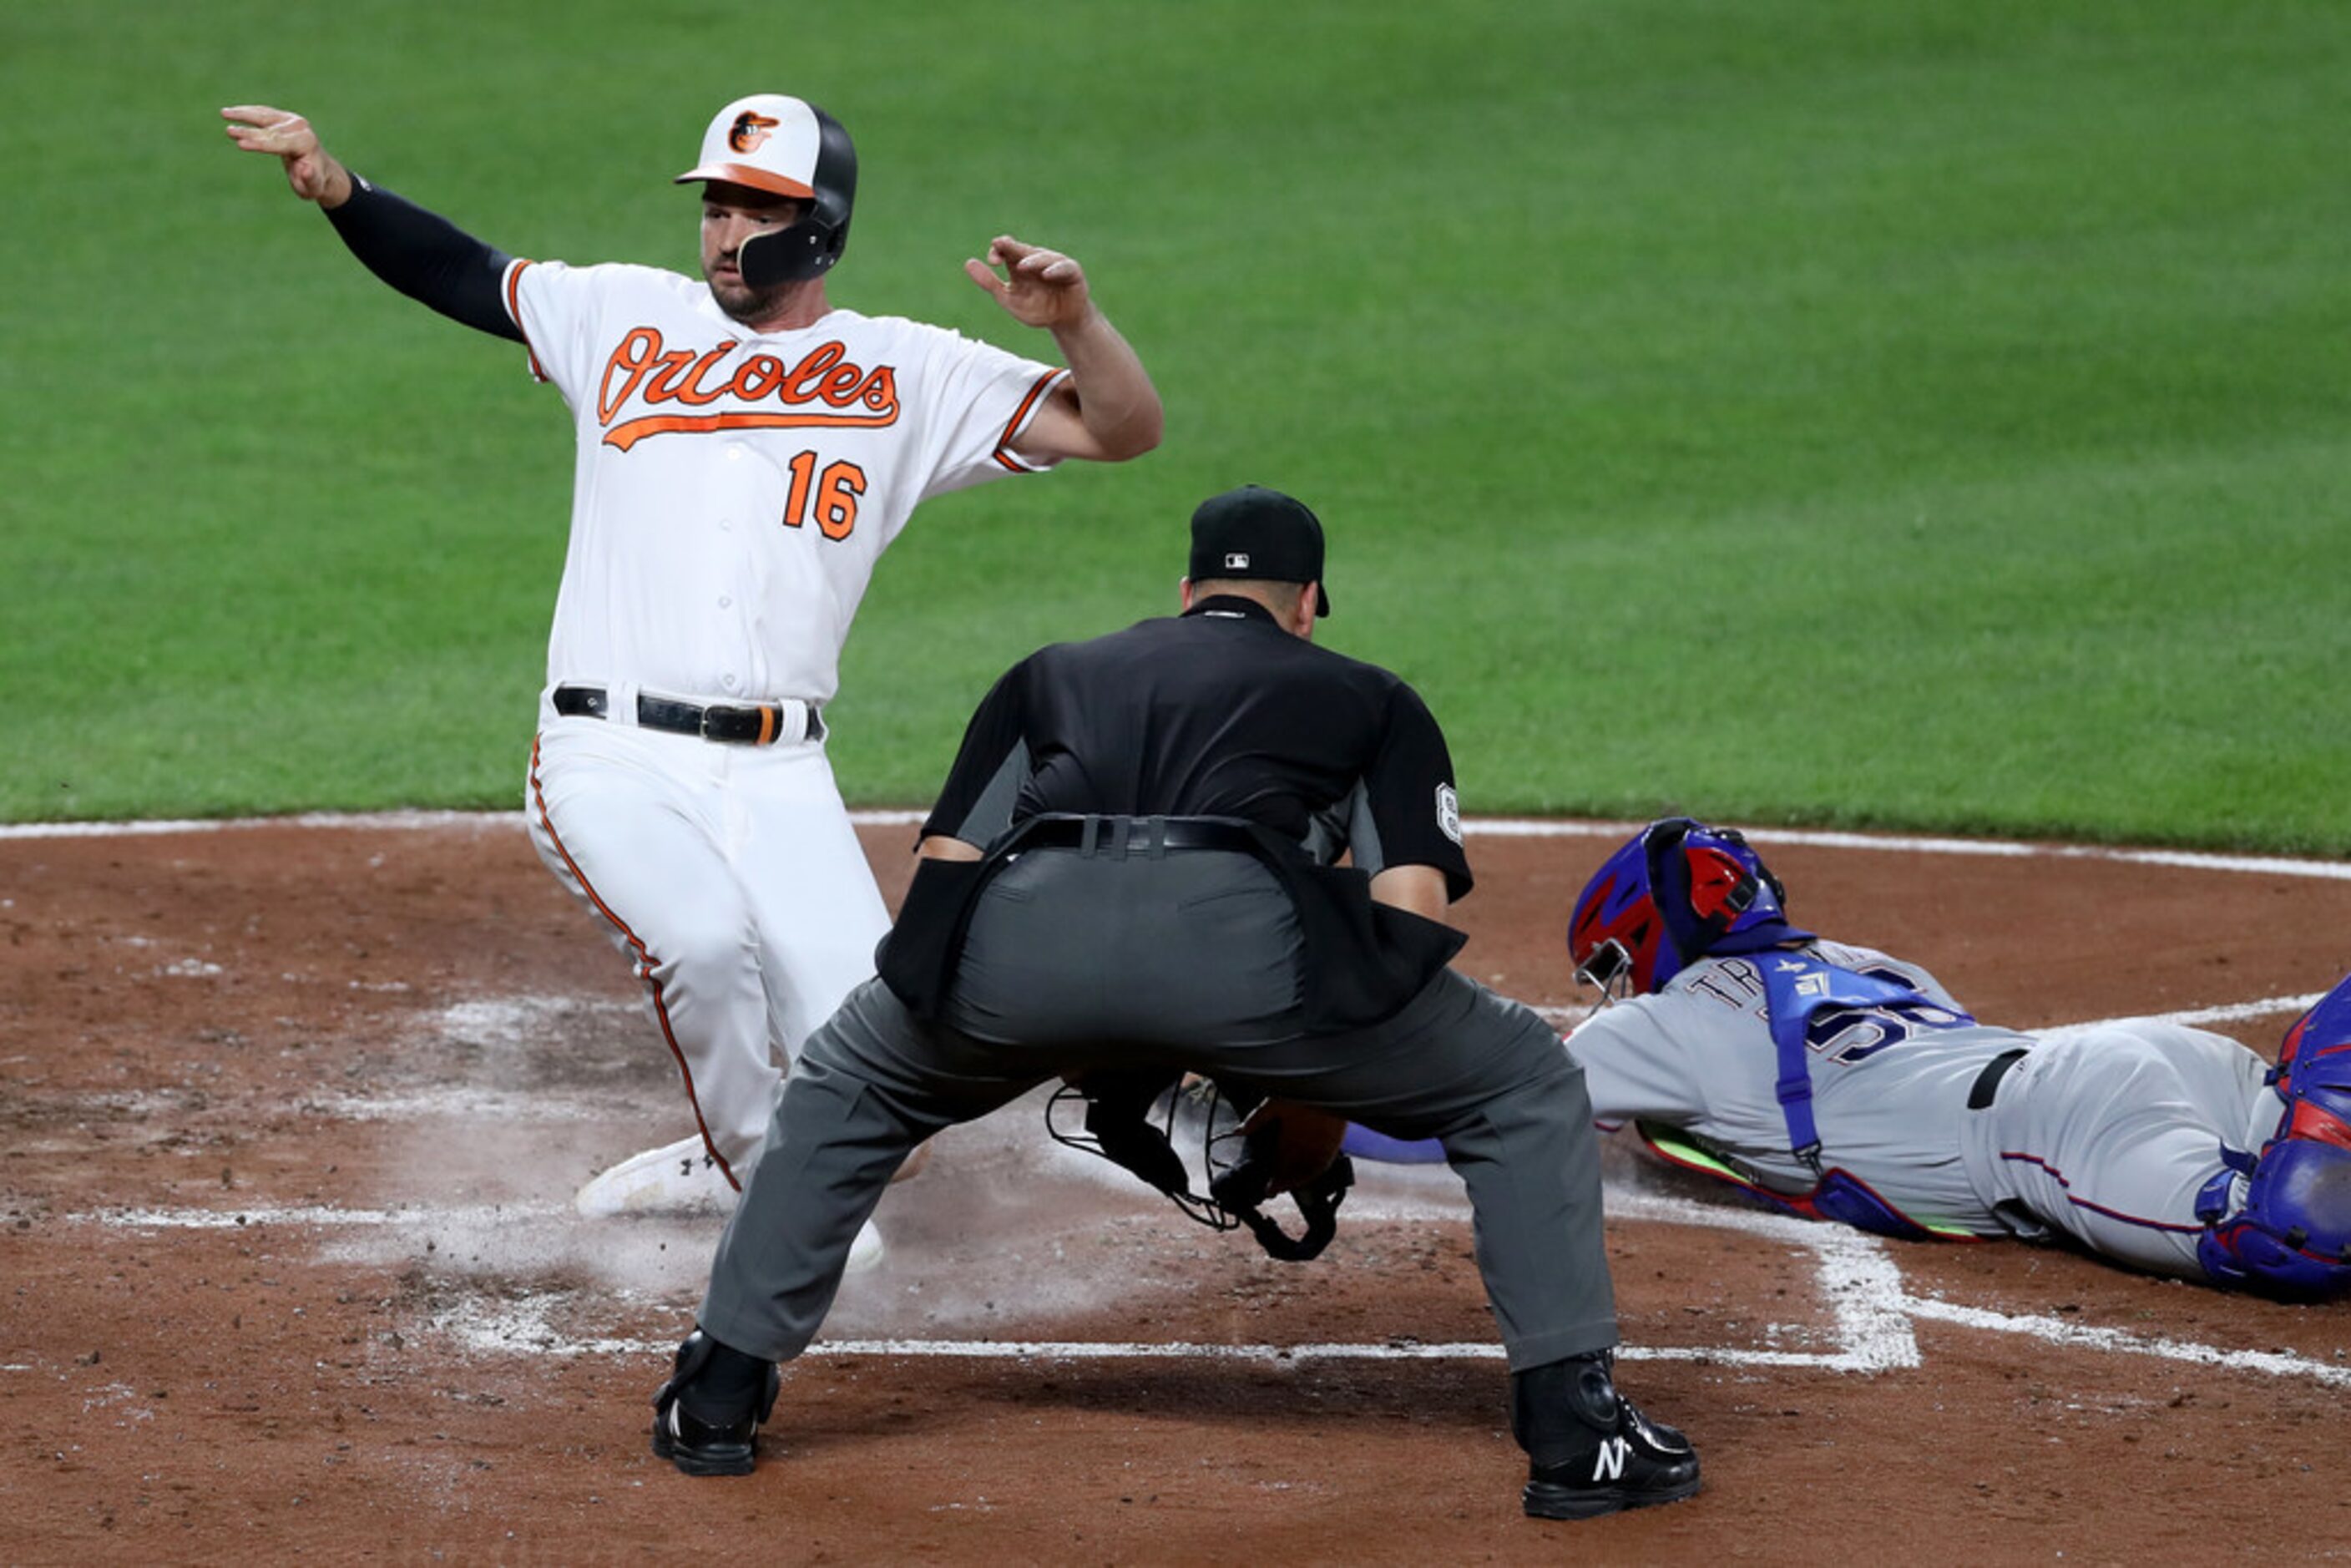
707, 1416
1589, 1452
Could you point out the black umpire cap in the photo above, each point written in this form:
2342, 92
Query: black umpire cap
1262, 534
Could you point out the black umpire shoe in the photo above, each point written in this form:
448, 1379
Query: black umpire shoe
707, 1416
1590, 1451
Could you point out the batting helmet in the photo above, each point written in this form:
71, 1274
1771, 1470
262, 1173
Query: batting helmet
788, 147
2292, 1235
1677, 892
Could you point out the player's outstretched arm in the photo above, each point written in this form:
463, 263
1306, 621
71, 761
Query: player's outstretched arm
1107, 409
311, 169
421, 254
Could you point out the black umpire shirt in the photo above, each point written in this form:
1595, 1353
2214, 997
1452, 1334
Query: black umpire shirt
1217, 713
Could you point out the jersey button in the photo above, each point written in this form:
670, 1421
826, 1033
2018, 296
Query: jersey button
725, 602
726, 681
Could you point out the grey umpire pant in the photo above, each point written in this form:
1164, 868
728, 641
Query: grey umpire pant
1187, 959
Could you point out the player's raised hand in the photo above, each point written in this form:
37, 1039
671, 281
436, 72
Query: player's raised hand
311, 169
1041, 288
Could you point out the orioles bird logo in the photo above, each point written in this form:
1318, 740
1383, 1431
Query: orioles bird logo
749, 130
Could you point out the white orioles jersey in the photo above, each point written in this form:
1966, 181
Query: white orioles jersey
734, 490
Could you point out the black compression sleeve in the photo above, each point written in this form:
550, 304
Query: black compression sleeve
426, 257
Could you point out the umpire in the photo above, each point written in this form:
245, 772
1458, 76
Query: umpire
1131, 864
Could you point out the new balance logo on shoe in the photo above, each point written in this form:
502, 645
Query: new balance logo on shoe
1638, 1464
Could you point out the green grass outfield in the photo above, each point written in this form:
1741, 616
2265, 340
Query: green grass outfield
1874, 413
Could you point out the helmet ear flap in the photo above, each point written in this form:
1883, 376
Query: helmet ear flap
1674, 881
808, 247
1755, 861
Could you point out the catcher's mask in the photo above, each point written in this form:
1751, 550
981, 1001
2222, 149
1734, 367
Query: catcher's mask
2291, 1234
1134, 1119
1675, 891
787, 147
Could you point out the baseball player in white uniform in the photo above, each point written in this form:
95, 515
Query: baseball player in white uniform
746, 453
1837, 1083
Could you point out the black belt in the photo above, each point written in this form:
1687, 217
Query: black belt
1137, 835
1987, 1082
750, 723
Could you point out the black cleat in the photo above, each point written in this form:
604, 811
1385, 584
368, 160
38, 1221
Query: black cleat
718, 1439
1591, 1452
1640, 1463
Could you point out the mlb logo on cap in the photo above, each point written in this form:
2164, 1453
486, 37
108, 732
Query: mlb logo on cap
1254, 532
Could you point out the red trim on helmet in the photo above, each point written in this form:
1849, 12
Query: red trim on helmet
2320, 1125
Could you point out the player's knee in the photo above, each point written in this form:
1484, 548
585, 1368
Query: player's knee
702, 944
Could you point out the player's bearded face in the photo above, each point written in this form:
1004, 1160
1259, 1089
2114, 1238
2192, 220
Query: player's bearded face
731, 215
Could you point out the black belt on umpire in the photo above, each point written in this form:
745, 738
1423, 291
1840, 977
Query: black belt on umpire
1987, 1083
743, 723
1121, 837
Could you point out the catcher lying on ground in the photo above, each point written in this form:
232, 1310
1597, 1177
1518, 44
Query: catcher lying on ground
1836, 1083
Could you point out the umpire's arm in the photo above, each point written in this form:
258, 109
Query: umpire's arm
974, 805
1414, 889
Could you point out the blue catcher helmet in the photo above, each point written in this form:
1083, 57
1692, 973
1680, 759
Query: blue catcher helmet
1677, 892
2314, 1070
2292, 1236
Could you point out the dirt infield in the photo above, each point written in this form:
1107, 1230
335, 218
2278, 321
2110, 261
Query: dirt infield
291, 1115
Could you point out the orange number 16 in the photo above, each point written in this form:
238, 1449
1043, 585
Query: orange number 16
837, 489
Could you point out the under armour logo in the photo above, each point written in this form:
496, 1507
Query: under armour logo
1608, 1465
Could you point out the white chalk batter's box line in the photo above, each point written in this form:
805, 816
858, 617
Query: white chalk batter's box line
1871, 1315
1496, 827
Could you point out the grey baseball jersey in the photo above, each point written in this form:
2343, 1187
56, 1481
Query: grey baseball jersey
2105, 1134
